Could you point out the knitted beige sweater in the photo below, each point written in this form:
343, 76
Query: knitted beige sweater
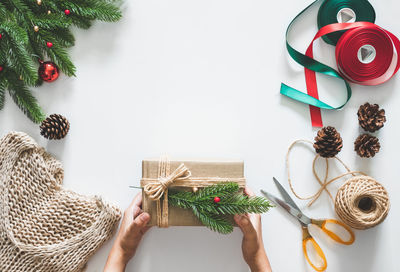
44, 227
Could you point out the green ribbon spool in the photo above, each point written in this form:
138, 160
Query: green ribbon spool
332, 11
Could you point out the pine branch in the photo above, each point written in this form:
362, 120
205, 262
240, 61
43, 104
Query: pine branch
36, 45
24, 99
241, 204
3, 51
63, 37
81, 22
26, 27
2, 92
217, 190
52, 21
3, 12
214, 222
18, 57
60, 57
212, 214
20, 7
94, 10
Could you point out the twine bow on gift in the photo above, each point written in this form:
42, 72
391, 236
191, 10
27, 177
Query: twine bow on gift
155, 190
158, 188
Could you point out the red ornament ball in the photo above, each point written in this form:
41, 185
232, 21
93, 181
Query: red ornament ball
1, 36
48, 71
1, 68
217, 199
67, 12
49, 44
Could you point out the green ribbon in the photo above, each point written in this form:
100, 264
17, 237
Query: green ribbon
327, 14
315, 66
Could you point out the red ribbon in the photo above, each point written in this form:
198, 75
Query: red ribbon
385, 64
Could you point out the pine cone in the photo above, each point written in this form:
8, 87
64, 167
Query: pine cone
367, 146
54, 127
328, 142
370, 117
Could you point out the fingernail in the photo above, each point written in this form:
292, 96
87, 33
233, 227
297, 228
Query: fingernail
145, 216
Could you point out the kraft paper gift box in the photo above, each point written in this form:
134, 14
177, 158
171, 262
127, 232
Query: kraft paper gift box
203, 173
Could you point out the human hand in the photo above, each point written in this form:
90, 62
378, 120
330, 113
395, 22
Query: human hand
133, 227
252, 245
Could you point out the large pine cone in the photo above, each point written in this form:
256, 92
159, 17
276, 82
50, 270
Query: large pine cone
328, 142
54, 127
367, 146
370, 117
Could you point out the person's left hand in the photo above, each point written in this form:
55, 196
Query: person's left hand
133, 227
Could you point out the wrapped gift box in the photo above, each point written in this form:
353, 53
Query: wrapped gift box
202, 172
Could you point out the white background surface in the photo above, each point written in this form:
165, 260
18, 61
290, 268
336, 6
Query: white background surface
201, 79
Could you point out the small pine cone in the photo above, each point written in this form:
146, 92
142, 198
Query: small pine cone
367, 146
328, 142
54, 127
370, 117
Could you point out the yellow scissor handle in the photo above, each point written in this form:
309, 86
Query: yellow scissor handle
307, 238
322, 224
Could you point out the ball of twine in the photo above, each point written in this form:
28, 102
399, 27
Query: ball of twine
362, 202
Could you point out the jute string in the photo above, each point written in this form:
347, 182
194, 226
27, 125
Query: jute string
157, 188
347, 200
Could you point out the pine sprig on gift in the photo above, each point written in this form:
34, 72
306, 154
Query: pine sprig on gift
26, 27
216, 215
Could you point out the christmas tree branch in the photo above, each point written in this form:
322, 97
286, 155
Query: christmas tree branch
33, 30
60, 57
16, 40
51, 21
2, 92
62, 36
3, 12
24, 99
213, 221
213, 203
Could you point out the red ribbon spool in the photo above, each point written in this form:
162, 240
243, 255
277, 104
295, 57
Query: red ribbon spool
373, 71
367, 55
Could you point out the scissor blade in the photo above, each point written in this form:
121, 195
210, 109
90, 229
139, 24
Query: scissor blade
285, 194
304, 220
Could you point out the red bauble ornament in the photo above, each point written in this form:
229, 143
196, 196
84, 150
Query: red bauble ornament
49, 44
1, 68
217, 199
67, 12
48, 71
1, 36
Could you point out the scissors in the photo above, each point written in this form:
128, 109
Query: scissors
290, 206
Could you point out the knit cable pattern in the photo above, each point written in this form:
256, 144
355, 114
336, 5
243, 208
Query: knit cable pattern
44, 227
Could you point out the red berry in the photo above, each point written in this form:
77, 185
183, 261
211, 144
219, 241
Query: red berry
49, 44
1, 68
67, 12
1, 36
217, 199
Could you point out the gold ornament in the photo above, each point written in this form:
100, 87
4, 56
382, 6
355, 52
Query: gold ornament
39, 2
36, 28
49, 12
195, 189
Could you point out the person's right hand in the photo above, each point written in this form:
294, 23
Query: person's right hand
252, 245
